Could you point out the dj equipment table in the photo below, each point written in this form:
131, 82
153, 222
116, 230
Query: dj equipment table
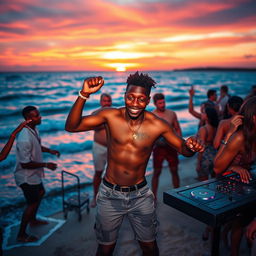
214, 201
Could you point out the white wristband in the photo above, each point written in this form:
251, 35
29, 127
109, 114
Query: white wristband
224, 142
83, 97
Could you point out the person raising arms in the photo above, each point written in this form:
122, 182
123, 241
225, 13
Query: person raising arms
131, 133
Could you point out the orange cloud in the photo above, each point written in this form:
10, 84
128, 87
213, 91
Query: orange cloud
108, 35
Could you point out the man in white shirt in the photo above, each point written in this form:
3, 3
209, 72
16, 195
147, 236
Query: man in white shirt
29, 171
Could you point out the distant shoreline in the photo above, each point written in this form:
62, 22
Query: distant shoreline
216, 69
171, 70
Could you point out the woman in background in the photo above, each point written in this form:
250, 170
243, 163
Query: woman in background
206, 134
237, 154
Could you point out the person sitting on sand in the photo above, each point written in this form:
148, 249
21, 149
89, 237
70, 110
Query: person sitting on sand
131, 134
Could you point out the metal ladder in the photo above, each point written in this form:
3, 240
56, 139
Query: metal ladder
74, 202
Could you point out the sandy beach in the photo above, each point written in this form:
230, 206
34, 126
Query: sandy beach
178, 234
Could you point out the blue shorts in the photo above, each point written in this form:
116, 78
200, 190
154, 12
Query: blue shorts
113, 205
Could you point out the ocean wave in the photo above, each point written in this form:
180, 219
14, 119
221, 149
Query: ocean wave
72, 147
20, 96
13, 77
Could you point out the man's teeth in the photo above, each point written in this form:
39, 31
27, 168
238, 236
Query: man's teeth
134, 111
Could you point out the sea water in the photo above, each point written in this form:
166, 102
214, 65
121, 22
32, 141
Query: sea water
55, 92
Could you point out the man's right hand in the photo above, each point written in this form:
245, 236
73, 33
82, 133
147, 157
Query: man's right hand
92, 84
191, 91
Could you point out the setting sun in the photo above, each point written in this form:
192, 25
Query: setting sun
121, 68
125, 35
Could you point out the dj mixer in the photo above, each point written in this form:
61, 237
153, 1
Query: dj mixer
214, 201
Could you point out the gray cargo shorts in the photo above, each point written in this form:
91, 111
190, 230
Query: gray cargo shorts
113, 206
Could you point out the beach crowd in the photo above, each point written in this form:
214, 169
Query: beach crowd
124, 139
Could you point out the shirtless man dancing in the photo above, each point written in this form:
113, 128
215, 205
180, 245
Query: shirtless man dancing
162, 150
131, 133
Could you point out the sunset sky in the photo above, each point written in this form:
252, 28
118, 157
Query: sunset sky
61, 35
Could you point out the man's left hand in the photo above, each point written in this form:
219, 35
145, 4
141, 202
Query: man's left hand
195, 144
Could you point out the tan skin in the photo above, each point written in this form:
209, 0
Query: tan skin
170, 117
223, 128
100, 135
127, 157
227, 153
224, 160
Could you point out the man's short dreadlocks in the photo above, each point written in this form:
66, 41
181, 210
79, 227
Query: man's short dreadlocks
142, 80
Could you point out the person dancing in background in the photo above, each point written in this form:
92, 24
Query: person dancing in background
204, 167
222, 101
131, 133
29, 171
252, 92
206, 134
210, 102
209, 121
236, 154
162, 150
233, 106
99, 148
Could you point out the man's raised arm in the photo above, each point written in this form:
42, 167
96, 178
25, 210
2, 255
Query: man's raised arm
74, 122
